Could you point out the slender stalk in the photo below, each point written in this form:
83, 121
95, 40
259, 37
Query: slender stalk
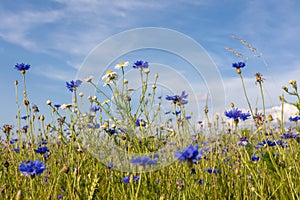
245, 92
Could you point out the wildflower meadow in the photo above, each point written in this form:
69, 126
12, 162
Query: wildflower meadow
147, 146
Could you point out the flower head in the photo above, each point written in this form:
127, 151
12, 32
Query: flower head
109, 76
243, 141
122, 64
238, 65
32, 168
189, 153
139, 64
259, 77
130, 179
42, 150
140, 122
237, 114
178, 99
73, 84
294, 119
22, 67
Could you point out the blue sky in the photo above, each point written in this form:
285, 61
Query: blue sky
56, 36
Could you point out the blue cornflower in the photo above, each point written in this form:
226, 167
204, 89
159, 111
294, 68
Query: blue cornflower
129, 179
178, 99
73, 84
139, 64
95, 108
111, 131
12, 141
110, 165
25, 117
93, 126
57, 106
140, 122
245, 116
209, 170
17, 149
235, 114
176, 112
289, 135
189, 153
254, 158
294, 119
238, 65
32, 168
22, 67
42, 150
145, 160
200, 181
243, 141
60, 196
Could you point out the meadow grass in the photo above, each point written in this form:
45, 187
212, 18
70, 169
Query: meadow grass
83, 153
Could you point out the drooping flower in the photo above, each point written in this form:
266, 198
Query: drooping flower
178, 99
22, 67
139, 64
73, 84
32, 168
145, 160
122, 64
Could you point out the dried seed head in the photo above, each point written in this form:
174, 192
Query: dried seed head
26, 102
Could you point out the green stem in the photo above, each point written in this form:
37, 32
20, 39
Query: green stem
263, 103
244, 89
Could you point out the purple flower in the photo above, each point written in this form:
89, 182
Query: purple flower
145, 160
178, 99
139, 64
22, 67
73, 84
32, 168
238, 65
